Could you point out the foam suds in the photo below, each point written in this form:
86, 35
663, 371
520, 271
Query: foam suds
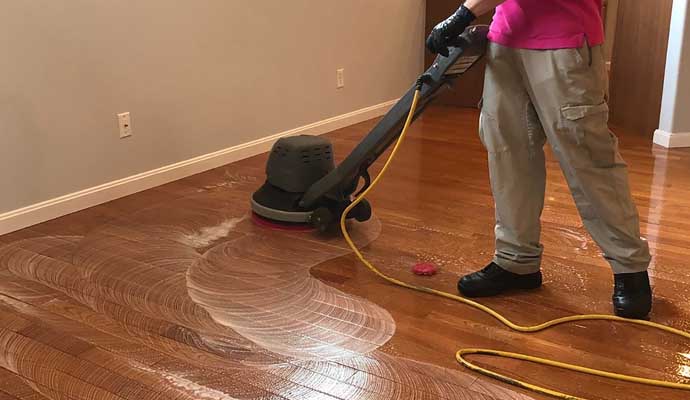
684, 371
200, 392
210, 234
231, 181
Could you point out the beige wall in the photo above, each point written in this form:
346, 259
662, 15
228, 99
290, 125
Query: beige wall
197, 76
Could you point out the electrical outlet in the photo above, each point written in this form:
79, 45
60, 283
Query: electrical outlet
125, 123
340, 78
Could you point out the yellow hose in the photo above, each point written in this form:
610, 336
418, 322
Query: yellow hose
460, 355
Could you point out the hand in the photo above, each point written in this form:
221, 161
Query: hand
447, 31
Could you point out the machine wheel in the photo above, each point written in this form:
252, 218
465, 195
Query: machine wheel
361, 212
321, 219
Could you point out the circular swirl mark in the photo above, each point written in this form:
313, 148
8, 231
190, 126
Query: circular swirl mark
260, 286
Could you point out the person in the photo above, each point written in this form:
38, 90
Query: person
546, 79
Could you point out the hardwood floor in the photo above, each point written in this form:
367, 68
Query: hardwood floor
174, 293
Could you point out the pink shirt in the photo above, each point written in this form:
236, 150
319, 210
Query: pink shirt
548, 24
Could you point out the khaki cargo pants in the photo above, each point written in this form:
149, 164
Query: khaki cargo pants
531, 96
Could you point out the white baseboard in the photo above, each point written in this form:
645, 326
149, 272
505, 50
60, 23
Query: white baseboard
671, 140
70, 203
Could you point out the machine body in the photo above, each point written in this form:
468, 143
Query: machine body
304, 186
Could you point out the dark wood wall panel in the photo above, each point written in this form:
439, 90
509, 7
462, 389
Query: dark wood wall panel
467, 90
638, 64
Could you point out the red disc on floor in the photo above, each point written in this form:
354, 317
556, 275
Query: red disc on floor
425, 269
267, 223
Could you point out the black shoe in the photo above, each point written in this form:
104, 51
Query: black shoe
494, 280
632, 295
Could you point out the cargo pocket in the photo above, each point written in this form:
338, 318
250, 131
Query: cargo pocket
589, 126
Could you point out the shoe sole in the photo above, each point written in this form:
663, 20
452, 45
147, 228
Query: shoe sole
490, 293
637, 314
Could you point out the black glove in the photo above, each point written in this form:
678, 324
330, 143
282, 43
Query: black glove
447, 31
